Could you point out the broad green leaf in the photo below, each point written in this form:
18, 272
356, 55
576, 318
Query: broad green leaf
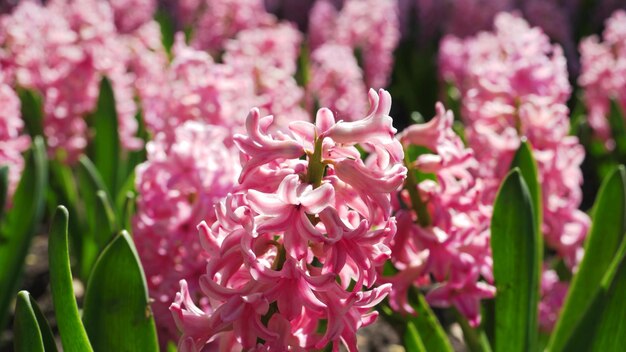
32, 111
516, 266
607, 231
28, 337
117, 311
73, 335
432, 335
21, 222
127, 211
602, 327
105, 220
527, 165
4, 188
105, 146
412, 340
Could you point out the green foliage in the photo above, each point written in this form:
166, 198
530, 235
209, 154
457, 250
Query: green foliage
32, 111
117, 314
105, 146
607, 232
4, 188
73, 335
31, 329
515, 245
21, 222
412, 340
431, 333
527, 165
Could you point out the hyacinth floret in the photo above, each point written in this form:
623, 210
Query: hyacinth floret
293, 260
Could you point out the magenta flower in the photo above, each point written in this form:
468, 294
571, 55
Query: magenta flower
514, 85
603, 68
178, 186
132, 14
443, 225
304, 246
553, 292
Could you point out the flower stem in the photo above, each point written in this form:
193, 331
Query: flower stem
410, 184
315, 171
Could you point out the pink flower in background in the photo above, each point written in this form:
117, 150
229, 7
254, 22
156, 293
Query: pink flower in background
371, 27
221, 20
269, 57
337, 82
178, 187
603, 71
468, 17
63, 50
132, 14
192, 88
514, 85
12, 142
452, 244
302, 247
553, 292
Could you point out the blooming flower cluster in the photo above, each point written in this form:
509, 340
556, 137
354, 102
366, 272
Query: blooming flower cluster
443, 224
603, 71
178, 186
294, 252
514, 85
63, 49
369, 26
12, 142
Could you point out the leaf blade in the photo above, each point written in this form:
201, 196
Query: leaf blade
516, 262
607, 230
28, 337
117, 312
72, 331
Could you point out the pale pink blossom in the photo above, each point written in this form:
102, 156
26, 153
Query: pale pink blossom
12, 142
553, 292
302, 247
337, 82
132, 14
370, 26
602, 77
178, 187
62, 50
451, 245
514, 85
221, 20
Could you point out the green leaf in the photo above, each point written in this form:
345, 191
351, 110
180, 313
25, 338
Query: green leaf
607, 232
4, 188
28, 337
611, 328
127, 211
515, 245
32, 111
105, 146
49, 343
30, 327
432, 335
105, 220
475, 338
117, 311
527, 165
412, 340
602, 327
168, 29
73, 335
21, 222
618, 129
90, 183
